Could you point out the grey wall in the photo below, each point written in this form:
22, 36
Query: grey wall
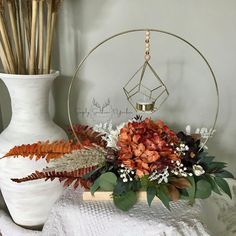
208, 24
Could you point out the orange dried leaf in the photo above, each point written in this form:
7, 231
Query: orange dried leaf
74, 178
180, 183
44, 150
173, 193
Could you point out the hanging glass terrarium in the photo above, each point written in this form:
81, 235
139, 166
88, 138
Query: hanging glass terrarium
145, 90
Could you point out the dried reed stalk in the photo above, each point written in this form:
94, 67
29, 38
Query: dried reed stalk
55, 6
5, 40
15, 32
49, 21
24, 47
40, 35
33, 37
4, 59
20, 33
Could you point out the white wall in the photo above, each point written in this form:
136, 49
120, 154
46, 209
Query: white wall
208, 24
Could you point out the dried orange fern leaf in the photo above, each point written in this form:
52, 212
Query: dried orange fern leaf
46, 150
85, 133
74, 178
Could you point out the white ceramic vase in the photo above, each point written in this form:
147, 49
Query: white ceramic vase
29, 203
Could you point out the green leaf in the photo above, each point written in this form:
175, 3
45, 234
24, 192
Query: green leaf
87, 176
224, 174
107, 181
223, 185
203, 189
214, 186
125, 201
144, 182
151, 193
215, 166
191, 190
205, 158
120, 187
163, 197
95, 186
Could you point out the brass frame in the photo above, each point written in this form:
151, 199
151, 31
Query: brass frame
144, 30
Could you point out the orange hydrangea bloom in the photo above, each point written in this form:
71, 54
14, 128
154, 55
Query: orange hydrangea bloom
146, 146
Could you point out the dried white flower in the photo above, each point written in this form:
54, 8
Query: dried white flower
182, 149
203, 132
126, 174
180, 169
198, 170
110, 135
163, 176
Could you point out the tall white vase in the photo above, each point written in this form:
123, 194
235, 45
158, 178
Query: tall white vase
29, 203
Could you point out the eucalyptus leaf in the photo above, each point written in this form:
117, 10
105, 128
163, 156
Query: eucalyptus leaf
95, 186
107, 181
223, 185
125, 201
151, 193
120, 187
203, 189
192, 189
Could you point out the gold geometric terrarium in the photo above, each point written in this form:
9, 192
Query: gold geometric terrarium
145, 90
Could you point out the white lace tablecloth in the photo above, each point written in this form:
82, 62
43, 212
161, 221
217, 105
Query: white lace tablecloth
72, 217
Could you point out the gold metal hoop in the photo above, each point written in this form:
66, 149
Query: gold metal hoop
140, 30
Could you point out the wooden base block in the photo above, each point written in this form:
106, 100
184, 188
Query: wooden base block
107, 196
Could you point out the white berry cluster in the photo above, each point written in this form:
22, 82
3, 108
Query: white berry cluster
163, 176
126, 173
179, 169
182, 149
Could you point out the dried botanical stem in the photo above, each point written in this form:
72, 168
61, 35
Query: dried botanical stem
40, 41
49, 20
55, 6
4, 59
33, 37
6, 41
15, 33
26, 49
20, 33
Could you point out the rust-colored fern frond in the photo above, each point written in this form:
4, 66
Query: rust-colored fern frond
44, 150
85, 133
69, 178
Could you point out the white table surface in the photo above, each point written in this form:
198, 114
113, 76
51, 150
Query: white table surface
71, 216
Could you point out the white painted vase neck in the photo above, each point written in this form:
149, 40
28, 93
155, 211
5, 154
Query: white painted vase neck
29, 100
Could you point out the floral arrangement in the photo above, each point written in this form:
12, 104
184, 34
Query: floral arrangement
140, 155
